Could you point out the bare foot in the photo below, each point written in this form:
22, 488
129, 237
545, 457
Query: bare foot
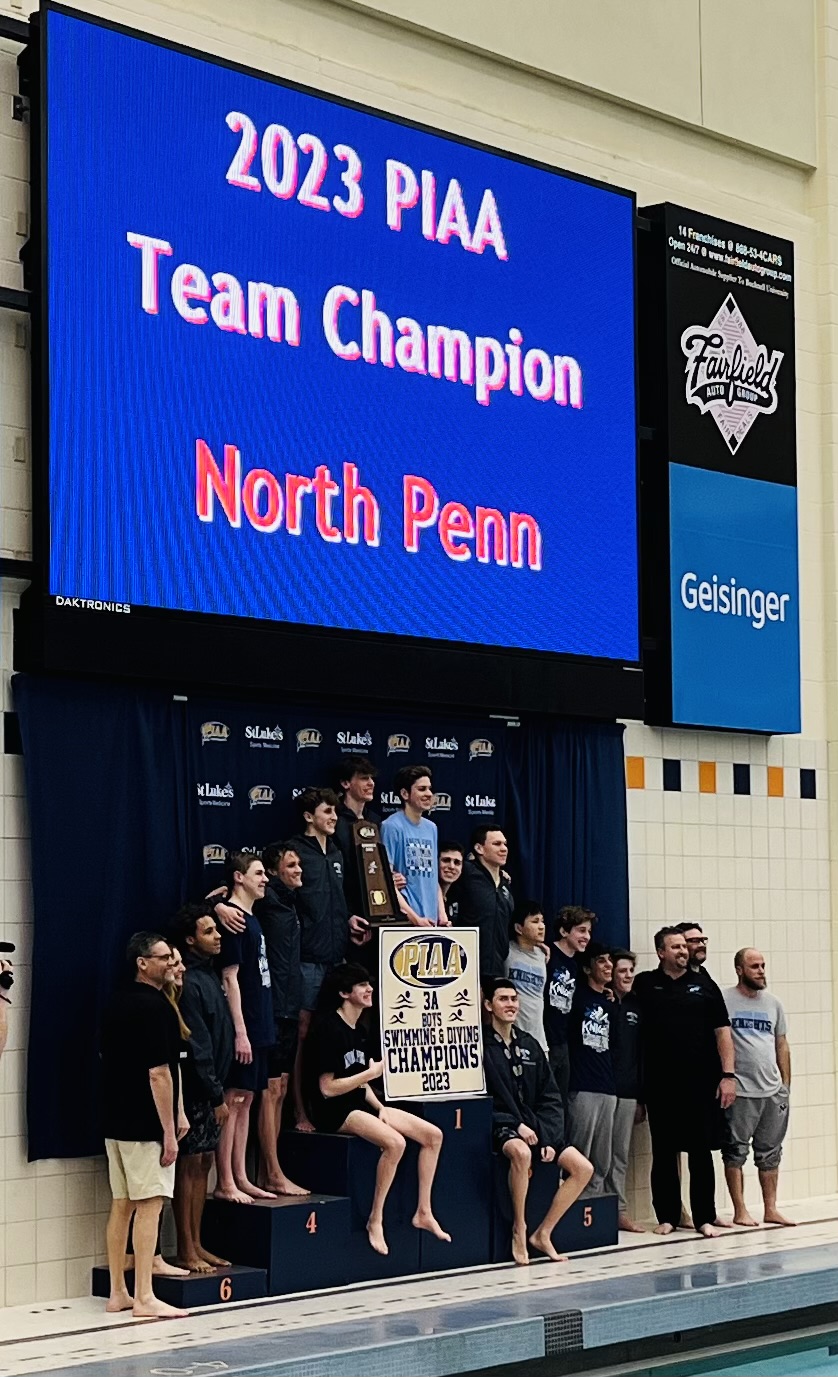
542, 1242
719, 1223
255, 1192
664, 1229
746, 1220
232, 1194
376, 1237
708, 1231
774, 1217
427, 1222
519, 1249
628, 1225
196, 1264
154, 1309
121, 1301
280, 1185
305, 1126
211, 1258
161, 1268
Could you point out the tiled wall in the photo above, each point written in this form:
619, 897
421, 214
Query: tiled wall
753, 869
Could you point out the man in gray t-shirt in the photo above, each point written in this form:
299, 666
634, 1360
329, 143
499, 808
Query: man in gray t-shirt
526, 967
759, 1115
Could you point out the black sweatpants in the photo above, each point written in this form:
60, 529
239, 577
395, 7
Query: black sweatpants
674, 1131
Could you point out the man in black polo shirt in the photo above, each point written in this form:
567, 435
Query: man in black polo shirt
482, 898
688, 1080
142, 1119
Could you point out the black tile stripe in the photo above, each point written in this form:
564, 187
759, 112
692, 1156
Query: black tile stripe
672, 775
808, 784
741, 779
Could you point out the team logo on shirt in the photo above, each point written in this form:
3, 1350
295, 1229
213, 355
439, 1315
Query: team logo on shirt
595, 1029
308, 737
429, 961
266, 737
214, 731
260, 794
214, 854
442, 803
443, 746
215, 795
398, 744
562, 987
480, 749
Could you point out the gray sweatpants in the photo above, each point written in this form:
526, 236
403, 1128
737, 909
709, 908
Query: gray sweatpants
615, 1181
762, 1122
591, 1132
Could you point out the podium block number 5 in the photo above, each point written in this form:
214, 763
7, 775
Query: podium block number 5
588, 1216
311, 1222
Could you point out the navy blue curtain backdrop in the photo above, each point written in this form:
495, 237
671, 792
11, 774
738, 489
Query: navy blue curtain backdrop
566, 819
135, 797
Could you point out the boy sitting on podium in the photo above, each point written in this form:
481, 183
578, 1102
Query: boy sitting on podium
528, 1119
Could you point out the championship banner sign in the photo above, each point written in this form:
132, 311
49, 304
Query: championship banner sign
431, 1030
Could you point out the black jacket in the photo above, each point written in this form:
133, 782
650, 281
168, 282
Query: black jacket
475, 901
277, 915
321, 903
210, 1044
532, 1097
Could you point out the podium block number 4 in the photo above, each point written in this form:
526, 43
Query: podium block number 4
311, 1222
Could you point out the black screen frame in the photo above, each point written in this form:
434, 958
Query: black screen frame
200, 648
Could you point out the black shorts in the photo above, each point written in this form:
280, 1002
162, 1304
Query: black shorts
253, 1076
330, 1115
204, 1129
281, 1055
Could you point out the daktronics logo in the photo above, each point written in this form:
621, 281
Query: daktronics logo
214, 731
442, 803
354, 741
215, 795
260, 794
733, 600
214, 854
308, 738
729, 374
441, 746
480, 749
398, 744
268, 737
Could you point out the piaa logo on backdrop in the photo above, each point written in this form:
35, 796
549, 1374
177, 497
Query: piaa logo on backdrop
734, 602
260, 794
442, 803
480, 749
308, 737
429, 961
729, 374
214, 854
398, 744
267, 737
214, 731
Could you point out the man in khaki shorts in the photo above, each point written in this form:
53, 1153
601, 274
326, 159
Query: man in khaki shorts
142, 1118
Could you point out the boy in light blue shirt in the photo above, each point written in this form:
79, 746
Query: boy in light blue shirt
412, 846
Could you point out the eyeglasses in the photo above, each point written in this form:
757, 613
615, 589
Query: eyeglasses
158, 956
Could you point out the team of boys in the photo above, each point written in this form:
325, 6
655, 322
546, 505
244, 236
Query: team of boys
255, 985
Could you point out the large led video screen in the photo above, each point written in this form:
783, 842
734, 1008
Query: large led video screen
314, 365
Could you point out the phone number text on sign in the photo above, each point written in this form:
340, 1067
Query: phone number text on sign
431, 1029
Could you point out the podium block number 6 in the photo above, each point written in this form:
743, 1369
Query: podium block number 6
225, 1290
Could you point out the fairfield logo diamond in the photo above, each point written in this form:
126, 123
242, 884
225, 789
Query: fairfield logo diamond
729, 374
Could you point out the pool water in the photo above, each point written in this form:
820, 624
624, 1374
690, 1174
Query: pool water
782, 1358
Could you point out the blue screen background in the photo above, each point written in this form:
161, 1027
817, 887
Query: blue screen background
137, 141
725, 671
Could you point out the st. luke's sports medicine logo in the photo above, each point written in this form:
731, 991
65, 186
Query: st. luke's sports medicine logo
729, 374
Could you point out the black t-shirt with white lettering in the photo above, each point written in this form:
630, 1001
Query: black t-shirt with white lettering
139, 1031
334, 1045
589, 1042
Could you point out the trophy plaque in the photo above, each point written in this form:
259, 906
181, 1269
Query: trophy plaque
378, 892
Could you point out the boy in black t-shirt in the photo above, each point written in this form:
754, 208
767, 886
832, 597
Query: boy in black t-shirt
247, 985
340, 1074
572, 935
593, 1093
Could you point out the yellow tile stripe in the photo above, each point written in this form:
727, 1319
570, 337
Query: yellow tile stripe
635, 772
707, 776
775, 781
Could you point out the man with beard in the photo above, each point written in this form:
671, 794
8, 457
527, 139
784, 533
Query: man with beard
688, 1077
759, 1116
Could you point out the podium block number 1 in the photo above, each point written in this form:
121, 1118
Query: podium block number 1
458, 1118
